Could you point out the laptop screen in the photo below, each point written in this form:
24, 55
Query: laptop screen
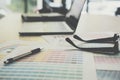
35, 25
73, 15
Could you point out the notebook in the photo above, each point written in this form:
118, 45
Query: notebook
49, 25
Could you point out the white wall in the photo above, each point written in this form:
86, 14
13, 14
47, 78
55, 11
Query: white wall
2, 3
39, 4
105, 7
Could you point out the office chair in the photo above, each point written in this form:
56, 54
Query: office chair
47, 17
48, 9
117, 11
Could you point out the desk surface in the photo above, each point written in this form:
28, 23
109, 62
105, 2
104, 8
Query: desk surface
10, 25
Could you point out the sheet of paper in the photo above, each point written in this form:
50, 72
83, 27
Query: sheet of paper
13, 48
108, 67
108, 75
50, 65
57, 42
107, 62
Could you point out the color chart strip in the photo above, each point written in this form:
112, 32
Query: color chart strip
41, 71
107, 62
70, 57
108, 75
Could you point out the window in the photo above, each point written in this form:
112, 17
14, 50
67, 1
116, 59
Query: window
103, 7
20, 6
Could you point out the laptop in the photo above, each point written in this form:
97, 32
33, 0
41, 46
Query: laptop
49, 25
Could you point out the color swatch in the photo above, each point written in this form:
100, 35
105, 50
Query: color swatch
108, 75
107, 62
70, 57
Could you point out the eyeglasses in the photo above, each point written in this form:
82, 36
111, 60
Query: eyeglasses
103, 50
101, 40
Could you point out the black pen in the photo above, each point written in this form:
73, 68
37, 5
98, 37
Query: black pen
10, 60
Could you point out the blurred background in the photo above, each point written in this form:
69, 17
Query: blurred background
101, 7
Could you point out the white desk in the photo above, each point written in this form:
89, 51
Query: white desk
10, 25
